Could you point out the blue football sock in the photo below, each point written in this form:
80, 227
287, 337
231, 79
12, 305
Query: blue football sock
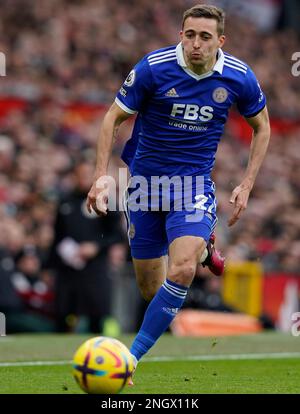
159, 314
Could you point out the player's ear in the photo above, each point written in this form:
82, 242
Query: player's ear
181, 34
222, 39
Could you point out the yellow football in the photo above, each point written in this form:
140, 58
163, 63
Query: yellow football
102, 365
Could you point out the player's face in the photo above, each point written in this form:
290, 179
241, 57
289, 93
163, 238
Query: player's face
200, 41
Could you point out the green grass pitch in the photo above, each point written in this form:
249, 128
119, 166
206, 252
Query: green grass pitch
252, 364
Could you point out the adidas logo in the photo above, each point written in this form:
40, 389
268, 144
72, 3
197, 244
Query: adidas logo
172, 92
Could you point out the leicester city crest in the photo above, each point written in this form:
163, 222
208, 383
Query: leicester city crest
220, 95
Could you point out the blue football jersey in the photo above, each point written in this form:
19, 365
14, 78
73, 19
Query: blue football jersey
181, 115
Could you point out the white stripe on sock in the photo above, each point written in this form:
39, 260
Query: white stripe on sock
179, 290
173, 293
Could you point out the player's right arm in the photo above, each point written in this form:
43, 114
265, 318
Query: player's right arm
135, 91
97, 198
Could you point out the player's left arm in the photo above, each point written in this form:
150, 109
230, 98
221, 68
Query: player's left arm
259, 144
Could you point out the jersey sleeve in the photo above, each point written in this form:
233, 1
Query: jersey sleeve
136, 88
252, 99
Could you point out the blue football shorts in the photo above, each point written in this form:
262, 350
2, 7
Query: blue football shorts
152, 227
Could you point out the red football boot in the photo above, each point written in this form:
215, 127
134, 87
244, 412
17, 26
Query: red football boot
214, 261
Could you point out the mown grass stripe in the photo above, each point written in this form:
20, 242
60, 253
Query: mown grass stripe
224, 357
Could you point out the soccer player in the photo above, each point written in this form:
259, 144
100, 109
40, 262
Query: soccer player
182, 95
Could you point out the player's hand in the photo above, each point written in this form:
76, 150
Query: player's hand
239, 198
97, 198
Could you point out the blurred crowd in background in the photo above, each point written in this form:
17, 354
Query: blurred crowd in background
61, 53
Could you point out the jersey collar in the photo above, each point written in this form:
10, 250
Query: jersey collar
181, 62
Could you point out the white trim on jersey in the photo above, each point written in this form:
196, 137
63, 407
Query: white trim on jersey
235, 67
124, 107
229, 60
162, 60
195, 76
220, 62
154, 57
217, 68
227, 56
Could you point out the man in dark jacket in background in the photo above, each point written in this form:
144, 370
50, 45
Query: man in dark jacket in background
80, 256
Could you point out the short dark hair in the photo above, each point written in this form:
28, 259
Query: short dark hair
209, 12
